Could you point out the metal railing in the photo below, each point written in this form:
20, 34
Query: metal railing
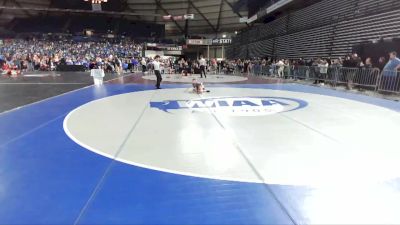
363, 78
389, 81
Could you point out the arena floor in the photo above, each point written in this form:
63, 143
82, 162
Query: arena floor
35, 86
252, 151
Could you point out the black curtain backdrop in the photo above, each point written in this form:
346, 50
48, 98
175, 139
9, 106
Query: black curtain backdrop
377, 50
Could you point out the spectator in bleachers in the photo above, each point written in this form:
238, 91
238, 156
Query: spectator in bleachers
314, 70
117, 65
281, 68
244, 65
257, 67
352, 61
301, 69
368, 63
393, 65
391, 79
264, 67
144, 65
47, 54
323, 72
381, 63
287, 69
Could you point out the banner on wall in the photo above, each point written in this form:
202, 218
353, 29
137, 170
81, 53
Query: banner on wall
222, 41
215, 41
168, 47
199, 42
152, 54
173, 53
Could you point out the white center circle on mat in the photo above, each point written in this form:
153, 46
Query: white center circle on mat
331, 141
177, 78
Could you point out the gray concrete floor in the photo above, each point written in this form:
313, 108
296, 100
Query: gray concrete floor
35, 86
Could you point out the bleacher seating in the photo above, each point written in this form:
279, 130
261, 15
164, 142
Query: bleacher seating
308, 43
373, 27
327, 28
321, 13
371, 6
276, 27
242, 51
264, 48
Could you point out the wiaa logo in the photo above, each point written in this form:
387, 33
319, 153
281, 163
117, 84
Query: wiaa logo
233, 106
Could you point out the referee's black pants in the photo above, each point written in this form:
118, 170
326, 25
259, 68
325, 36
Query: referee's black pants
203, 71
159, 78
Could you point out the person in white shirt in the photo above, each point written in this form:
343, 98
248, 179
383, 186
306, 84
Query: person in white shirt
203, 64
156, 65
144, 63
323, 71
162, 66
281, 68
